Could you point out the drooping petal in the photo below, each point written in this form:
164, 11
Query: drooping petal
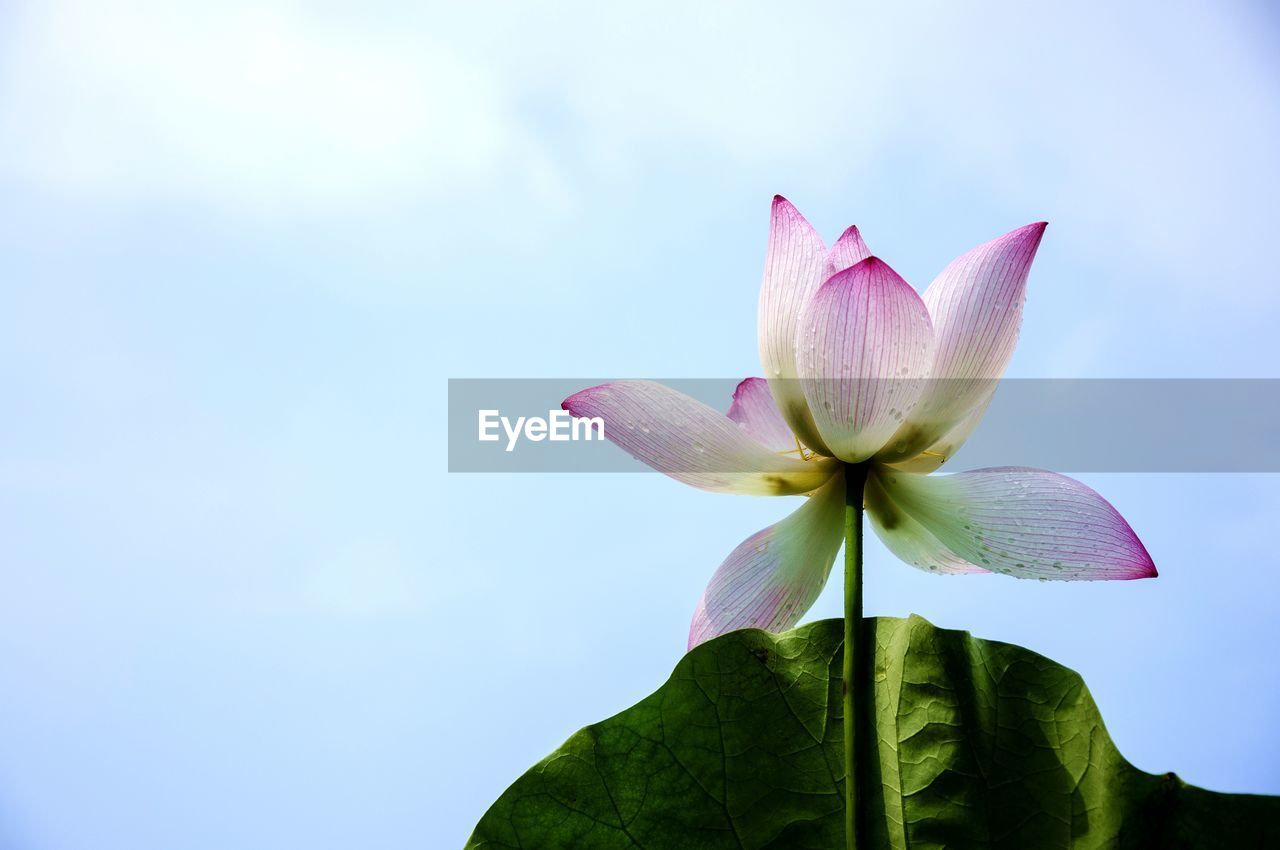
775, 575
689, 441
849, 250
976, 307
905, 537
755, 412
1027, 523
793, 270
863, 349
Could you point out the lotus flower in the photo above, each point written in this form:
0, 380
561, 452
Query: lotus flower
864, 372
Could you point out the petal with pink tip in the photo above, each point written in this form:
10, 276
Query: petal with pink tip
793, 270
1026, 523
976, 307
863, 348
755, 412
849, 250
774, 576
689, 441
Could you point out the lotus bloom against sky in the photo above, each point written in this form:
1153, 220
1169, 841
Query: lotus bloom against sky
862, 369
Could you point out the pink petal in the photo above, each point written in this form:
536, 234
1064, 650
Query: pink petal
863, 349
849, 250
976, 307
689, 441
793, 271
1026, 523
753, 409
774, 576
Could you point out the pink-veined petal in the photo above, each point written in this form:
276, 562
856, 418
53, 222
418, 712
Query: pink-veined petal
863, 349
849, 250
1027, 523
774, 576
946, 446
755, 412
692, 443
976, 308
793, 270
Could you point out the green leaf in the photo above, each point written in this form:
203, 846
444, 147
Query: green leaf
976, 744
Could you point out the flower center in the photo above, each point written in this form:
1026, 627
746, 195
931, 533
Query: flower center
805, 454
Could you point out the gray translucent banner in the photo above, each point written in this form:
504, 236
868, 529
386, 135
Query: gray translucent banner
1096, 425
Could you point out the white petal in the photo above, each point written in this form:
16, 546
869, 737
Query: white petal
774, 576
1027, 523
793, 270
863, 349
947, 445
976, 307
849, 250
754, 410
689, 441
906, 538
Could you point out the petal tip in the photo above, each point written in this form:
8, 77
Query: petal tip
575, 403
872, 265
1031, 232
743, 385
1145, 568
789, 216
847, 251
869, 264
1023, 239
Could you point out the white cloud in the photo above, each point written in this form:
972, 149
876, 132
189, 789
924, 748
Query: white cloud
245, 106
264, 105
276, 106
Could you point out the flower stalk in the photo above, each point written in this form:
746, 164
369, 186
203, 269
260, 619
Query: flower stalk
854, 708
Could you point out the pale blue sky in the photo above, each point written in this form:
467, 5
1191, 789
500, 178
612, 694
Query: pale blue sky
244, 246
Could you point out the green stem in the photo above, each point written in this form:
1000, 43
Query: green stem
855, 478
